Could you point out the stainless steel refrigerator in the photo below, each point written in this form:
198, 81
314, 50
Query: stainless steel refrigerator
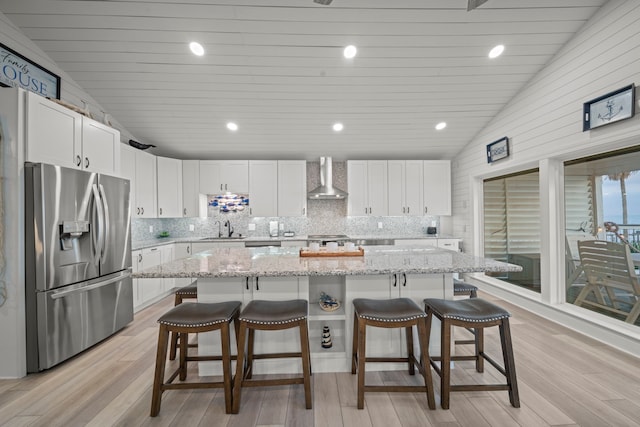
78, 261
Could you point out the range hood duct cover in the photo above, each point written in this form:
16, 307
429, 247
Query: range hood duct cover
326, 190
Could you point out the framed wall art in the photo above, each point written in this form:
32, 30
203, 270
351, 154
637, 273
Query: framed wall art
610, 108
18, 71
498, 150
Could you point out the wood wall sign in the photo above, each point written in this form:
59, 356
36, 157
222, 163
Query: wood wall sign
18, 71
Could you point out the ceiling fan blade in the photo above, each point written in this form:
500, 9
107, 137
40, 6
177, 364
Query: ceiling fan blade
472, 4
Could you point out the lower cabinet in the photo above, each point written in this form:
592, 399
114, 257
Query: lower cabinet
148, 291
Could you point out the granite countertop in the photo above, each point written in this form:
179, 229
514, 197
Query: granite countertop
286, 261
159, 241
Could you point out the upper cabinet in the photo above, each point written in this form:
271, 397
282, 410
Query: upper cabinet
140, 168
437, 187
368, 187
60, 136
220, 176
292, 188
405, 187
169, 173
263, 187
191, 197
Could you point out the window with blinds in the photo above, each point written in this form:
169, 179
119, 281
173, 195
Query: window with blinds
512, 224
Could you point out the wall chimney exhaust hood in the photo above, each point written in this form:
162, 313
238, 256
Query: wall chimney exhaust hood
326, 190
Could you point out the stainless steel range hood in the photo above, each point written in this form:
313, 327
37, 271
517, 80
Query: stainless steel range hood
326, 190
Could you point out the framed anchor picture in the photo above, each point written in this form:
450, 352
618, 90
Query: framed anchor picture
610, 108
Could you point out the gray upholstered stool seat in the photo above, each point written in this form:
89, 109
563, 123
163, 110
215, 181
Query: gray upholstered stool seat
180, 294
390, 313
464, 288
183, 320
478, 314
271, 316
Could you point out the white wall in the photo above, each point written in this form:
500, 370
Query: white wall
544, 125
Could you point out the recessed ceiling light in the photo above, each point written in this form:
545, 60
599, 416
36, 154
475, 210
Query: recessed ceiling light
232, 126
441, 125
496, 51
350, 51
338, 127
196, 48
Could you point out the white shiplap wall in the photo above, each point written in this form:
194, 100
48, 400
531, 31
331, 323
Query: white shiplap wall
544, 120
70, 91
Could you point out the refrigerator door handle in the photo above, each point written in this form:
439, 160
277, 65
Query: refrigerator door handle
100, 211
107, 223
63, 294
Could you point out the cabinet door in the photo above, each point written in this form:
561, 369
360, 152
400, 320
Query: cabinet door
150, 288
413, 188
423, 242
437, 187
292, 188
210, 177
169, 173
451, 244
145, 185
191, 189
377, 187
136, 261
235, 176
395, 180
182, 250
128, 171
167, 255
357, 202
100, 147
54, 133
263, 187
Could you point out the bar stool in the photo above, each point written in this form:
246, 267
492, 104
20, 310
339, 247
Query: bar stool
189, 318
185, 292
461, 288
478, 314
393, 313
271, 316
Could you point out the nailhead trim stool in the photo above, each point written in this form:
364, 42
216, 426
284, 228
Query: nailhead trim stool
189, 318
474, 313
185, 292
271, 316
461, 288
393, 313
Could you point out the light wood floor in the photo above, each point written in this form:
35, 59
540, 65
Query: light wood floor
565, 379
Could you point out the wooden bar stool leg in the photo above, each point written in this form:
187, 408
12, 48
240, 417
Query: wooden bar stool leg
424, 360
237, 383
158, 378
362, 344
479, 349
410, 355
249, 368
306, 365
184, 339
354, 346
226, 366
509, 363
445, 365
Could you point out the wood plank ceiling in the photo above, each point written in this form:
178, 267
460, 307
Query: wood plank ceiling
276, 69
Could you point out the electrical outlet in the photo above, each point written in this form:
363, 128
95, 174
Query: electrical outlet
252, 227
379, 225
151, 229
192, 227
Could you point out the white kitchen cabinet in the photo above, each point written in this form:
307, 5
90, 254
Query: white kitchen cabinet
167, 255
220, 176
182, 250
146, 291
128, 171
444, 243
194, 204
60, 136
368, 188
405, 183
145, 185
437, 187
263, 188
169, 183
292, 188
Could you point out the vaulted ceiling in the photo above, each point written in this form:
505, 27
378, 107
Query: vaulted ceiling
276, 68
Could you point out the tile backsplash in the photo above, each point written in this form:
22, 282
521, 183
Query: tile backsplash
323, 217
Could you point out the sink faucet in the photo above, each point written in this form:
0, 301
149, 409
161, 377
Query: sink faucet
227, 224
219, 229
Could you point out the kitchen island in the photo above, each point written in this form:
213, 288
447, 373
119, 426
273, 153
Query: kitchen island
279, 273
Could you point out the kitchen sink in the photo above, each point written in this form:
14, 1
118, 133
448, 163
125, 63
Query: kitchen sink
238, 237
